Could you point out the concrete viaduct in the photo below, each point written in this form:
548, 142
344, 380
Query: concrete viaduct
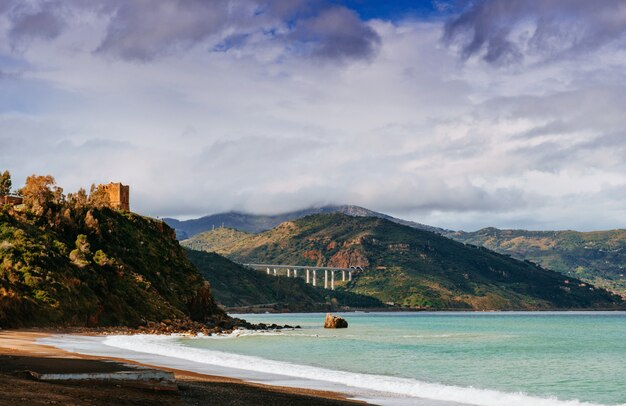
309, 271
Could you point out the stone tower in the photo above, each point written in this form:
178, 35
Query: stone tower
119, 195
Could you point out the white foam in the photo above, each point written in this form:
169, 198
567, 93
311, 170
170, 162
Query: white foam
267, 333
409, 388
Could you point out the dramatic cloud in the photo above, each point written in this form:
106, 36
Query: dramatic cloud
142, 30
503, 31
337, 33
33, 21
267, 106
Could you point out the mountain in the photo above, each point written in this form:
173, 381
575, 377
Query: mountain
253, 223
87, 266
597, 257
235, 286
408, 266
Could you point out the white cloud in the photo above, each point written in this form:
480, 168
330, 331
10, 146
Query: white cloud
409, 130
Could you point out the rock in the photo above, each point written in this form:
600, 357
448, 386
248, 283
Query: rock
335, 322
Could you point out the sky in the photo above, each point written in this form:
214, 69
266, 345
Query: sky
458, 114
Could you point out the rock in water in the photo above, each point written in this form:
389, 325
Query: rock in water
335, 322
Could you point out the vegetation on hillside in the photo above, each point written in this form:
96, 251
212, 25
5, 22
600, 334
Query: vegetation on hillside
597, 257
235, 286
411, 267
71, 260
5, 183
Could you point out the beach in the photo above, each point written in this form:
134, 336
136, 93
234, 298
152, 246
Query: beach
383, 358
20, 351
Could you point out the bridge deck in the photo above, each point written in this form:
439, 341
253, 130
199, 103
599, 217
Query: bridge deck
323, 268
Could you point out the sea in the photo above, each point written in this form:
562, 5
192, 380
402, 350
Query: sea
420, 358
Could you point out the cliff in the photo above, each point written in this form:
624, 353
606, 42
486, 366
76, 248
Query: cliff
75, 265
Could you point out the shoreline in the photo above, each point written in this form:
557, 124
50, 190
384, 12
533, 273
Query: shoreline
241, 311
256, 374
23, 344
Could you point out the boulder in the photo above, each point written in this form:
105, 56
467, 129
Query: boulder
335, 322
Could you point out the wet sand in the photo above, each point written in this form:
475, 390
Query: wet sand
19, 353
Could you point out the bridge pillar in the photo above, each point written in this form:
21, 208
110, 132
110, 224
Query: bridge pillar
307, 276
325, 278
288, 272
314, 283
343, 276
295, 273
350, 276
332, 280
275, 272
268, 271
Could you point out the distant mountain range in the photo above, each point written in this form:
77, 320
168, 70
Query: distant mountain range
253, 223
408, 266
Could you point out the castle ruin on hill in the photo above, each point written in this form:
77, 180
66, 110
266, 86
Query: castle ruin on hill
119, 195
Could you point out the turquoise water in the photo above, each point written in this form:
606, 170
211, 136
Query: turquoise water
570, 356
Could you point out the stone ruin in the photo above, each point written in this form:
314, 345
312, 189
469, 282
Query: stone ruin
119, 195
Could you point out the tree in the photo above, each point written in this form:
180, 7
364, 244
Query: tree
41, 191
5, 183
102, 259
79, 256
98, 197
77, 200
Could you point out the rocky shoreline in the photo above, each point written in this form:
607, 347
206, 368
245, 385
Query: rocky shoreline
167, 327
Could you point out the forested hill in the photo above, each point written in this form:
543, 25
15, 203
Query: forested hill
597, 257
411, 267
72, 261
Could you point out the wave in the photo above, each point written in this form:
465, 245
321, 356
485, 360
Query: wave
245, 333
167, 346
302, 333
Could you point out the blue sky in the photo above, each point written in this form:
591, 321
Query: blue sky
396, 9
506, 113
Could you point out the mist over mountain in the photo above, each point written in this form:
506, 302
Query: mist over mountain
254, 223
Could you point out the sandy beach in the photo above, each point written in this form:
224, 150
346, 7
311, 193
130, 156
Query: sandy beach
19, 352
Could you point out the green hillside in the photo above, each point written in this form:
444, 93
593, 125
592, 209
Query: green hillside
597, 257
237, 287
410, 267
71, 263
